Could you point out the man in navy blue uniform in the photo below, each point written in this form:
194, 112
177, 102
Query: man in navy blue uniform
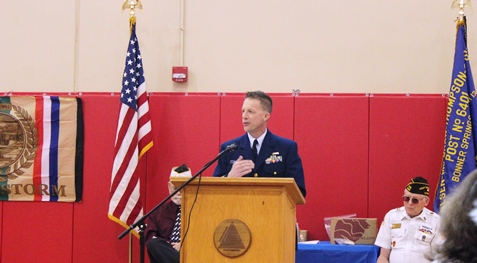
260, 153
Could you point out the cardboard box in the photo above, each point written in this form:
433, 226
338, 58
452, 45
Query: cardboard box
358, 230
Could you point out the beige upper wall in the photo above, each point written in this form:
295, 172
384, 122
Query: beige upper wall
364, 46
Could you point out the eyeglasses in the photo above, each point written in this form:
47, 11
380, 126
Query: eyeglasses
414, 200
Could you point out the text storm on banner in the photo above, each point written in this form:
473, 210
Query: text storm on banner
41, 149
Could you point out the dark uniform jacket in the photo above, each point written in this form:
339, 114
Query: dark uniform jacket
278, 157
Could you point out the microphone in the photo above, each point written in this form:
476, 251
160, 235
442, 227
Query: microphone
230, 148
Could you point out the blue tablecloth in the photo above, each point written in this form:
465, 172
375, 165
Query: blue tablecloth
324, 252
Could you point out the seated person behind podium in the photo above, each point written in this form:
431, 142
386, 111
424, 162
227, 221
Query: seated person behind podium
162, 242
275, 156
459, 224
408, 232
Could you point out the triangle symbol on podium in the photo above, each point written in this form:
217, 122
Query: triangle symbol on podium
231, 239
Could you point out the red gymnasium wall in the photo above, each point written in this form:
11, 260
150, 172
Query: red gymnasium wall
358, 153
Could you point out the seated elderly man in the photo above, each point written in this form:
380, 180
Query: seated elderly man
407, 233
163, 228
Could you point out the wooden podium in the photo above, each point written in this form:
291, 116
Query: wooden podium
238, 219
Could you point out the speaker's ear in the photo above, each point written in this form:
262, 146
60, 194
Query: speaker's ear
266, 116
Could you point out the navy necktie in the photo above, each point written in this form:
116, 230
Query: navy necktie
176, 231
254, 149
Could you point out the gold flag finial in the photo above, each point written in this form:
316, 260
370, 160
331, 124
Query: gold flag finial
131, 5
461, 4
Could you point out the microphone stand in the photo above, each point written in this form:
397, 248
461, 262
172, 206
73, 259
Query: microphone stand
140, 223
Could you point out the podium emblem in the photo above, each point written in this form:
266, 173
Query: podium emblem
232, 238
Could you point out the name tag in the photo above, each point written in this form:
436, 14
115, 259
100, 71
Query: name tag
396, 226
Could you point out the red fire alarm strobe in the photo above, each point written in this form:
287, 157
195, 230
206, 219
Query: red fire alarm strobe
179, 74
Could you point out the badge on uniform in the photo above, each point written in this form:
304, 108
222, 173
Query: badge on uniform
274, 158
396, 226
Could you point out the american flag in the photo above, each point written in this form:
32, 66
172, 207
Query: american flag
133, 139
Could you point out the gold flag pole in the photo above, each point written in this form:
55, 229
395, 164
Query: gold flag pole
461, 9
130, 248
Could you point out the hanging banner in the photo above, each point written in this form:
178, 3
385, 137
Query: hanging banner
41, 149
459, 158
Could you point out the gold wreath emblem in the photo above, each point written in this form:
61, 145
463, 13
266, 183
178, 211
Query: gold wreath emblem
18, 141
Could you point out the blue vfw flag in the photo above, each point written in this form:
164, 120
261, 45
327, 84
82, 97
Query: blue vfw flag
460, 146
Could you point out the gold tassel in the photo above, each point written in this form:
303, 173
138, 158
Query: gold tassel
132, 21
461, 22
